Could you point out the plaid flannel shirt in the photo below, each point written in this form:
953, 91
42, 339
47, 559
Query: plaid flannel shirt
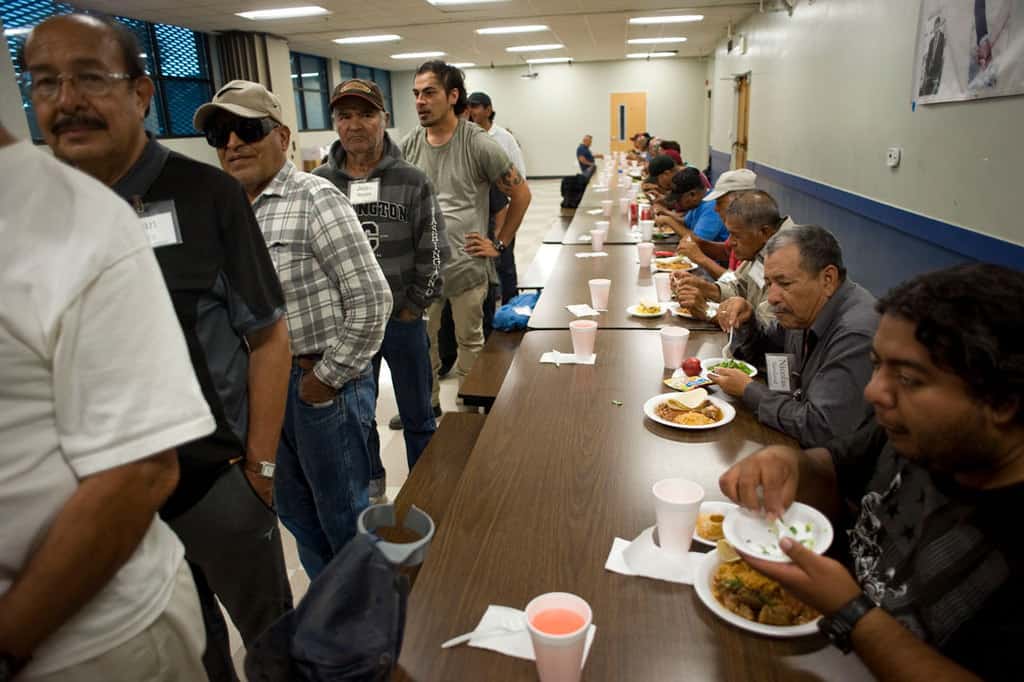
338, 301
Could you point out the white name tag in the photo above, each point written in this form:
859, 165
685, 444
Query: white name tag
160, 221
756, 273
778, 365
364, 192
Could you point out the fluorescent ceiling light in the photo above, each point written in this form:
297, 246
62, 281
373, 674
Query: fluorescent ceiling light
355, 40
307, 75
677, 19
417, 55
535, 48
645, 55
463, 2
283, 13
500, 30
17, 31
549, 60
655, 41
462, 65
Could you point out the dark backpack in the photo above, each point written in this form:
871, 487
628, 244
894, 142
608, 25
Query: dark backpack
573, 187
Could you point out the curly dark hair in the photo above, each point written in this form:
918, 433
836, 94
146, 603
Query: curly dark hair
451, 78
971, 319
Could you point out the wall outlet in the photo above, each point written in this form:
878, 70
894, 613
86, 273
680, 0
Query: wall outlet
893, 156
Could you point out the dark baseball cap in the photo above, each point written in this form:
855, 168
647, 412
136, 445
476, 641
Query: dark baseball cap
684, 181
479, 98
361, 88
658, 165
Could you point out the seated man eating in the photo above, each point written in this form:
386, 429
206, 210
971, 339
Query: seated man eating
687, 196
936, 484
819, 342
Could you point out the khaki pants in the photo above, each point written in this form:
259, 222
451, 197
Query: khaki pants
169, 650
468, 316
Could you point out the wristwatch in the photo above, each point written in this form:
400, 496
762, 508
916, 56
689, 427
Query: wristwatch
839, 626
10, 666
262, 468
498, 244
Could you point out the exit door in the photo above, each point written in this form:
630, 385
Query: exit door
628, 117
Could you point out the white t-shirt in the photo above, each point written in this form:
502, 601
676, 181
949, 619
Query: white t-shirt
94, 373
511, 147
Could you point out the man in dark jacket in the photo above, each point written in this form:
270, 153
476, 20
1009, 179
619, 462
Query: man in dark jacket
398, 209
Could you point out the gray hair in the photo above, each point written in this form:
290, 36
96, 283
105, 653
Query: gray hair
817, 247
755, 208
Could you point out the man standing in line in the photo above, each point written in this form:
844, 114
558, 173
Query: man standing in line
400, 214
338, 304
462, 162
90, 94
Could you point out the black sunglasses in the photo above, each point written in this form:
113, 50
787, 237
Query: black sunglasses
249, 130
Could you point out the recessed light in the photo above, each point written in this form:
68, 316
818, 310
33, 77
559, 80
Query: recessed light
500, 30
462, 65
283, 13
549, 60
655, 41
355, 40
645, 55
677, 19
417, 55
535, 48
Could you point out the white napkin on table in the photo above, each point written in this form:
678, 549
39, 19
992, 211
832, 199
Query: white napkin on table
644, 558
582, 310
592, 254
515, 644
556, 358
584, 238
594, 211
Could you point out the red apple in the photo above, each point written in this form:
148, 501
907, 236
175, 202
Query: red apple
691, 367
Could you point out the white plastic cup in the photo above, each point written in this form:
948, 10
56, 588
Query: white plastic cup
646, 229
644, 251
624, 205
599, 289
676, 505
559, 657
673, 346
602, 225
606, 207
584, 335
597, 239
663, 286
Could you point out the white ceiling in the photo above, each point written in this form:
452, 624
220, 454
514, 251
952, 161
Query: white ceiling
591, 30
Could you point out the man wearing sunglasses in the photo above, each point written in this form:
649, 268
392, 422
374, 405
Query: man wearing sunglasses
90, 95
338, 304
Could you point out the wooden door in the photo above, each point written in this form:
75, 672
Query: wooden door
739, 146
628, 117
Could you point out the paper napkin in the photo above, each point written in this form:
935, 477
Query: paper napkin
556, 358
644, 558
581, 310
515, 644
592, 254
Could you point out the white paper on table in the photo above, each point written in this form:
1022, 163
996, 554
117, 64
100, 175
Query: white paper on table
516, 644
523, 310
581, 310
595, 211
556, 358
644, 558
592, 254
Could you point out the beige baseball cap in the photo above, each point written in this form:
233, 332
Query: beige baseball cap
244, 99
733, 181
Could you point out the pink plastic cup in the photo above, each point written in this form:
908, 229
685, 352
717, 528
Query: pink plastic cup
559, 656
663, 286
597, 239
599, 289
584, 335
644, 251
673, 346
676, 504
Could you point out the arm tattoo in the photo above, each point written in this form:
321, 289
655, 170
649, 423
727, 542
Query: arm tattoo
510, 179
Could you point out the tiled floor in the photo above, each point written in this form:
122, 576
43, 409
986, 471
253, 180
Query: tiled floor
544, 208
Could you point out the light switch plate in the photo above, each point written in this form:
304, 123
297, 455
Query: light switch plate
893, 156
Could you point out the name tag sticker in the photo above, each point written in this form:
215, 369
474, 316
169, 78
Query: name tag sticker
365, 192
756, 273
778, 366
160, 221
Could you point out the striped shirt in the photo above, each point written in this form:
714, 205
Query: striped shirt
337, 299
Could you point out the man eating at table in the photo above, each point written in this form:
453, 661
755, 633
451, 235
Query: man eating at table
660, 173
687, 196
936, 484
817, 349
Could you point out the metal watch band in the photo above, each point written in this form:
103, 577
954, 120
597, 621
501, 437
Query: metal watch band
839, 626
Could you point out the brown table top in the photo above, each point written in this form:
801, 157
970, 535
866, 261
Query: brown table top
537, 274
484, 380
557, 473
568, 285
589, 212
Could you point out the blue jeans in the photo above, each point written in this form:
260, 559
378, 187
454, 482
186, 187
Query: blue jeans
407, 352
322, 474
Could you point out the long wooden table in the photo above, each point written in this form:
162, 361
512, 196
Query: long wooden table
619, 229
557, 473
568, 284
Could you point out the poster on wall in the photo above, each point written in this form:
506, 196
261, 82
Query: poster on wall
969, 49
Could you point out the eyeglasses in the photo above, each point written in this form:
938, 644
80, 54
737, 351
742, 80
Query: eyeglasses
248, 130
46, 86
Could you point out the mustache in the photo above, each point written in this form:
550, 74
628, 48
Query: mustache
77, 121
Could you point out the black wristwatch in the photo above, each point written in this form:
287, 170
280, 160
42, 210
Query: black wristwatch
10, 666
839, 626
498, 244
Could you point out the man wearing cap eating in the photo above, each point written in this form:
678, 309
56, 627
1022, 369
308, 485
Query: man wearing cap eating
687, 195
338, 303
399, 212
660, 172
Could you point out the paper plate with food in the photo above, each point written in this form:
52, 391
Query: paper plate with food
710, 364
710, 312
709, 521
646, 309
752, 533
739, 595
674, 263
694, 410
662, 236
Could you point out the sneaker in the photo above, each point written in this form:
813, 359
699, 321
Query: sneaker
395, 423
378, 491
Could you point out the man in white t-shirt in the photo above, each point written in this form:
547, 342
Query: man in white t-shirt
96, 391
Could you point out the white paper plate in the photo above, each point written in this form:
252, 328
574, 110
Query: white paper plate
728, 412
712, 310
750, 532
711, 362
712, 507
674, 259
702, 584
634, 310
